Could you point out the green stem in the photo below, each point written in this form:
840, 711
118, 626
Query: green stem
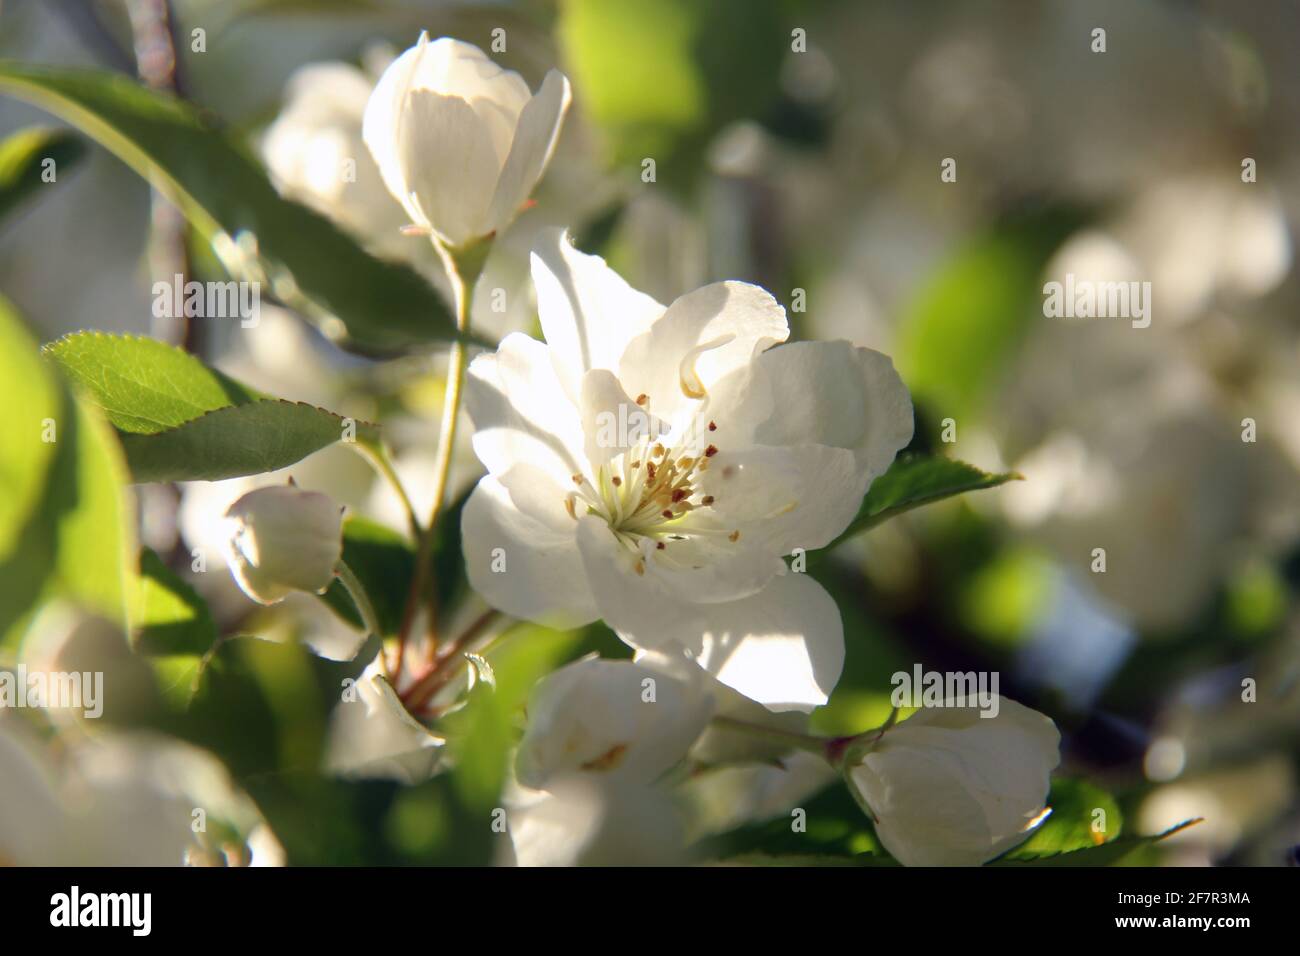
352, 584
808, 742
377, 455
463, 266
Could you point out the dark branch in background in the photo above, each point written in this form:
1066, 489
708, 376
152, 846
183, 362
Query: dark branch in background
153, 33
154, 39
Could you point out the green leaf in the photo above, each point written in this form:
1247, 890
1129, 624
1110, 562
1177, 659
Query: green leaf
358, 300
1074, 805
1106, 854
262, 706
915, 480
22, 162
834, 828
240, 440
66, 528
179, 420
144, 386
170, 618
383, 562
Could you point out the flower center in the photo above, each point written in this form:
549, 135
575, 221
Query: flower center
649, 493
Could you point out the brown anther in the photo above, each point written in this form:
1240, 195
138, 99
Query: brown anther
642, 398
711, 451
577, 479
713, 426
706, 500
616, 481
660, 546
679, 494
733, 537
650, 469
636, 465
667, 512
658, 450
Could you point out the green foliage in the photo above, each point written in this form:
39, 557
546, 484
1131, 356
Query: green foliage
169, 617
179, 420
838, 833
383, 562
967, 322
144, 386
1071, 824
836, 829
915, 480
361, 301
1105, 854
22, 158
65, 526
658, 82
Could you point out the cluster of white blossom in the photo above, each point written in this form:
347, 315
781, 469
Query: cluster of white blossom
653, 466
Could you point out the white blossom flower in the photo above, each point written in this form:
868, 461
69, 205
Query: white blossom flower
460, 141
585, 819
651, 466
614, 718
284, 539
119, 800
948, 787
373, 737
315, 154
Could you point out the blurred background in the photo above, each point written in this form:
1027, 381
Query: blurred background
800, 145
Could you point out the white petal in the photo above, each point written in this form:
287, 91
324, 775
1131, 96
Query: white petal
951, 787
542, 576
374, 737
784, 498
588, 312
448, 163
534, 142
596, 716
665, 596
783, 647
34, 822
826, 393
923, 817
585, 821
612, 422
439, 125
520, 412
702, 337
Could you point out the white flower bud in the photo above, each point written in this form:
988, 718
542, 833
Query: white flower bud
461, 142
612, 718
284, 539
947, 787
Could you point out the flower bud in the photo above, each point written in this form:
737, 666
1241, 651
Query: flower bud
948, 787
284, 539
461, 142
612, 718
